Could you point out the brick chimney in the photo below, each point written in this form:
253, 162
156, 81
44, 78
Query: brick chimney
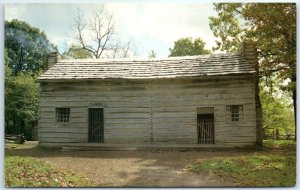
52, 58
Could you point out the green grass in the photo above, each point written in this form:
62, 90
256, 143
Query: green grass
30, 172
259, 169
279, 144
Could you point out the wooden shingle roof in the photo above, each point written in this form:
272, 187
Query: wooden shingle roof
188, 66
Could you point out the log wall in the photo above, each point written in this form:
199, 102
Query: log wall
147, 111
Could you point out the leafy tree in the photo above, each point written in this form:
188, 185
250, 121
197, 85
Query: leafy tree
277, 109
21, 102
271, 27
25, 56
151, 54
277, 114
26, 46
229, 26
77, 52
188, 46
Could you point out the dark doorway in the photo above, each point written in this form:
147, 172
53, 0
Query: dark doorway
205, 128
96, 125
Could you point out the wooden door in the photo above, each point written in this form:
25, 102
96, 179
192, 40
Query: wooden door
205, 129
96, 125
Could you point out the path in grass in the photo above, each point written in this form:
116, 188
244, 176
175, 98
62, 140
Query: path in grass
130, 168
137, 168
142, 168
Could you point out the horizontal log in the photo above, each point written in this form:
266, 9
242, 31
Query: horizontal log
70, 134
175, 127
128, 116
62, 140
126, 110
239, 139
235, 130
157, 115
158, 82
127, 121
174, 120
62, 130
127, 125
112, 95
164, 81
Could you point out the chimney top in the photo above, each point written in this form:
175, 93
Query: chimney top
249, 51
248, 48
52, 58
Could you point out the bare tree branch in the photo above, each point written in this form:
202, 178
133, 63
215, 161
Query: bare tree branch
80, 26
98, 35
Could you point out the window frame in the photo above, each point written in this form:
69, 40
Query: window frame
62, 115
235, 113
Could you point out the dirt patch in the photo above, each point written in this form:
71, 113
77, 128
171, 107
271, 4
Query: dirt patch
131, 168
138, 168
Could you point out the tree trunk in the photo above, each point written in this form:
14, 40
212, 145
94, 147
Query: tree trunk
294, 97
259, 116
295, 110
277, 134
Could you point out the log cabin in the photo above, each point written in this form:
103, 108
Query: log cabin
192, 101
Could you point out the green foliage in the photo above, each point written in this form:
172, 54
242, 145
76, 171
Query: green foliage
271, 27
29, 172
188, 46
227, 26
77, 52
26, 47
277, 114
25, 56
21, 102
151, 54
277, 107
260, 169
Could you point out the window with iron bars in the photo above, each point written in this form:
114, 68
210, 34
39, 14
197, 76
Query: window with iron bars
62, 115
234, 112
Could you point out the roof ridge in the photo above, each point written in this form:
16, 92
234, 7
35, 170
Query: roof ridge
149, 59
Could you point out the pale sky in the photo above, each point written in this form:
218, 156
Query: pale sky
151, 26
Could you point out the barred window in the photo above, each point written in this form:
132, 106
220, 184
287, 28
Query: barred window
62, 115
234, 112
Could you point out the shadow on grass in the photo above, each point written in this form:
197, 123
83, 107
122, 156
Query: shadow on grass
155, 168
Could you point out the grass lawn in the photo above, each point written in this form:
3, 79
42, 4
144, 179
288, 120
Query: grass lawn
274, 165
30, 172
280, 144
262, 168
